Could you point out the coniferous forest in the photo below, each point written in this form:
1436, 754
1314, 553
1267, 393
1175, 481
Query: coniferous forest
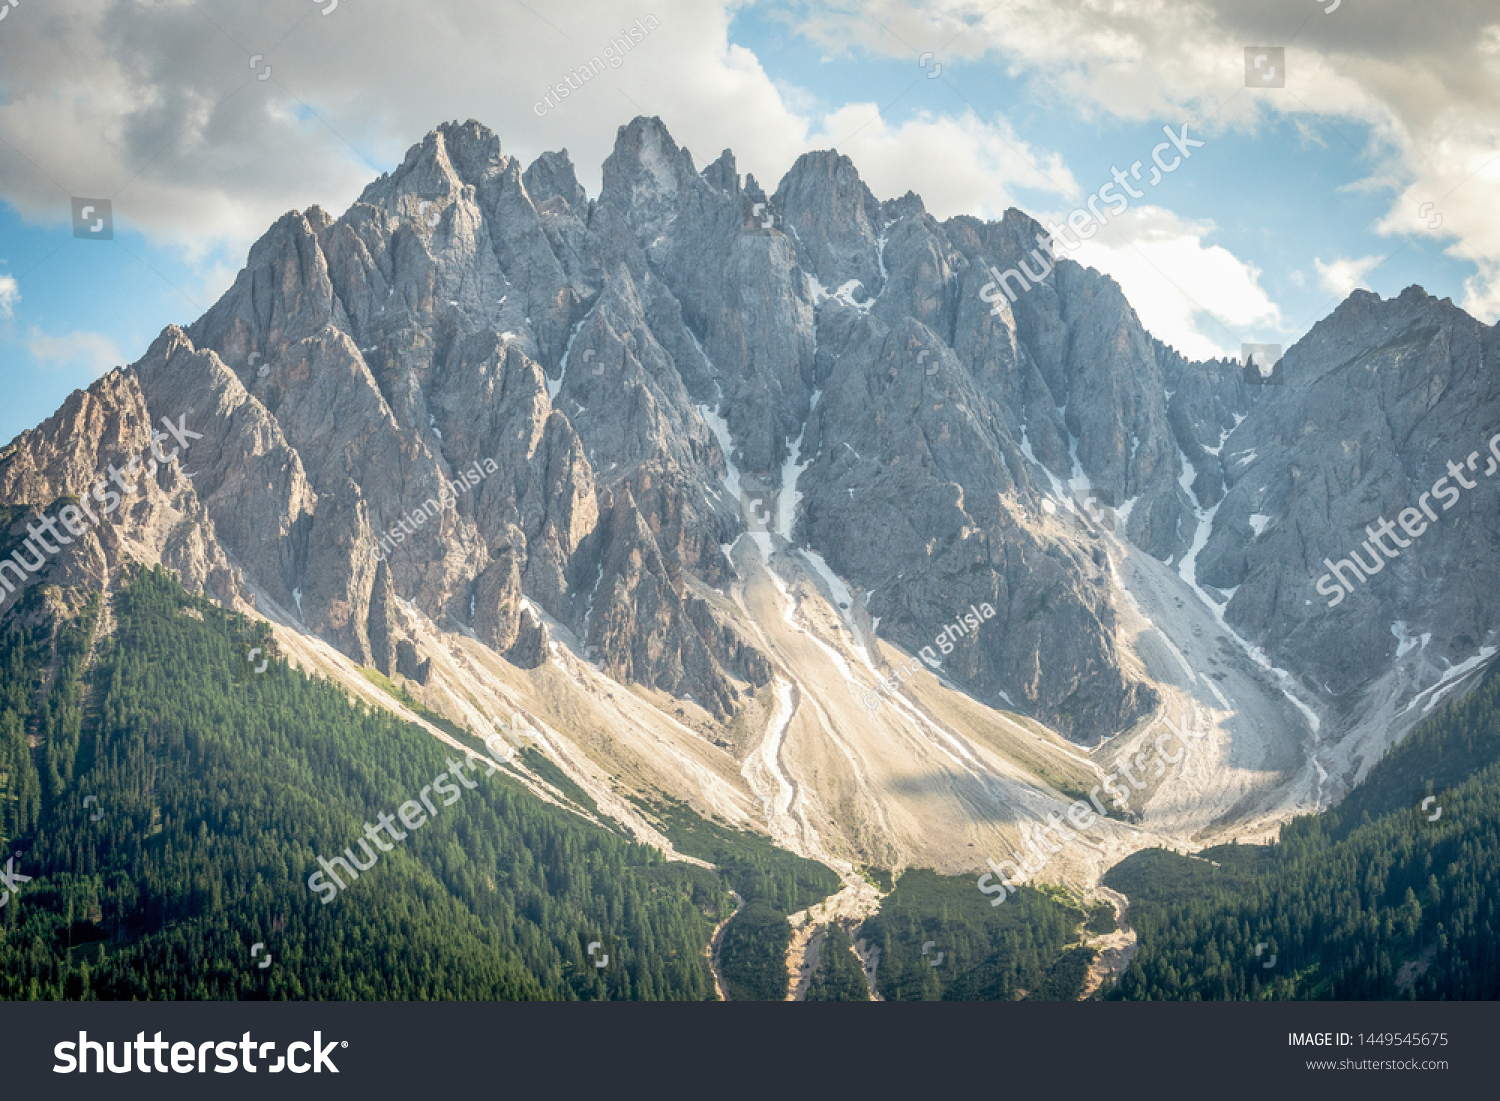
171, 812
839, 976
940, 939
1392, 894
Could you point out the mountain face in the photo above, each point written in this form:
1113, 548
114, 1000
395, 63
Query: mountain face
689, 474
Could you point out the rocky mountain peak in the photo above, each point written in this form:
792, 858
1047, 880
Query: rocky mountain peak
648, 176
658, 428
723, 174
551, 176
836, 220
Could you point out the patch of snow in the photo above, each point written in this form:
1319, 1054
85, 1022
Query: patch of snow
791, 470
1059, 490
1258, 523
1185, 480
1187, 569
1404, 642
1078, 482
562, 373
1214, 688
841, 594
1178, 654
844, 294
720, 428
1450, 679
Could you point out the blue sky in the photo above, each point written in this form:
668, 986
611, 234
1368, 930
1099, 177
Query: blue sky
1276, 195
1296, 197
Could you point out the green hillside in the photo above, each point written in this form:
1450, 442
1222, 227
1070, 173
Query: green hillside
940, 939
215, 793
1376, 899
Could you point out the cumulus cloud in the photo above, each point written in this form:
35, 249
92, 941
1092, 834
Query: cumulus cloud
1340, 276
959, 165
1421, 86
161, 106
9, 293
1198, 297
93, 353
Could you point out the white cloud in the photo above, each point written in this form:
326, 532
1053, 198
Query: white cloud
1340, 276
1198, 297
94, 353
1482, 292
10, 292
1421, 86
157, 105
959, 165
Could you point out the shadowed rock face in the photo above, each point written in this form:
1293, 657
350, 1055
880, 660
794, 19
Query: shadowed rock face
482, 395
1377, 400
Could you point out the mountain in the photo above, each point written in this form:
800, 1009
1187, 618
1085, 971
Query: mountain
677, 477
180, 812
1391, 895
